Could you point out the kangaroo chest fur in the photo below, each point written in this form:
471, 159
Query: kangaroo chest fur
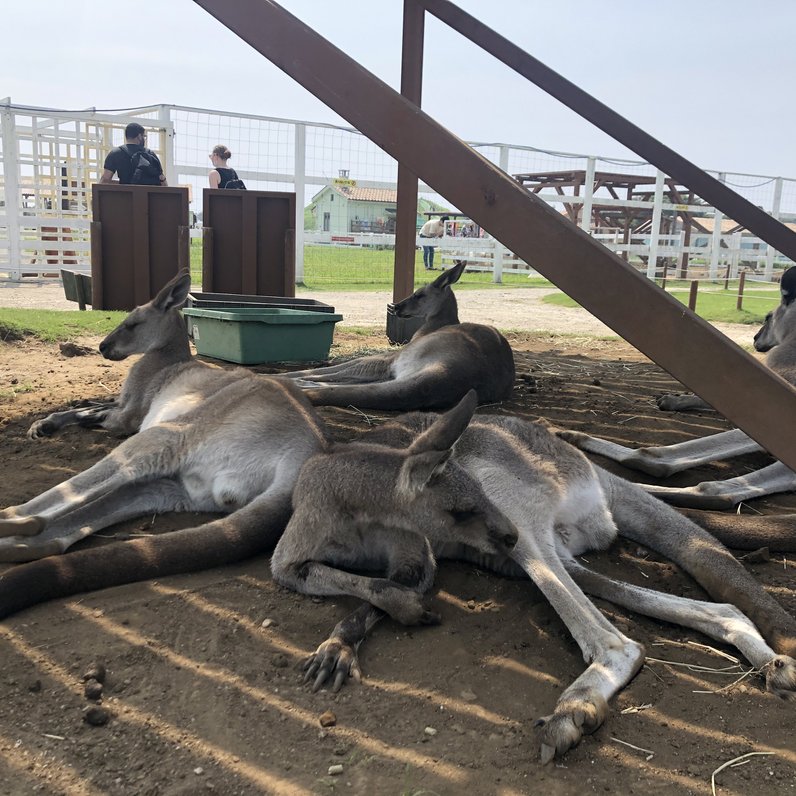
513, 463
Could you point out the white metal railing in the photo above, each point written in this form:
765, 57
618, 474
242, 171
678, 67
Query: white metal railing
51, 157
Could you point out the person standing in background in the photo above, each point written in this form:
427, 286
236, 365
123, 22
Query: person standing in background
221, 176
433, 228
133, 163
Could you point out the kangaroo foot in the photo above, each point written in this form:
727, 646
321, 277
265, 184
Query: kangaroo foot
21, 526
332, 663
681, 403
19, 548
578, 712
41, 429
780, 674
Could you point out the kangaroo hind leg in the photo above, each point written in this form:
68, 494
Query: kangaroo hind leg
357, 371
59, 535
652, 523
720, 621
613, 659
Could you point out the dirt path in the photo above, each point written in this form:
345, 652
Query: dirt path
516, 308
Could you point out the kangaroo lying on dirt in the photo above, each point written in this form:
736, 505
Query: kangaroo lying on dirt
777, 336
209, 439
443, 360
376, 505
154, 331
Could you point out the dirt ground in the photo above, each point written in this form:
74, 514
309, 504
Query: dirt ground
202, 681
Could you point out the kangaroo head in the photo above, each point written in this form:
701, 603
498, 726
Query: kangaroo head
150, 326
419, 488
434, 298
781, 322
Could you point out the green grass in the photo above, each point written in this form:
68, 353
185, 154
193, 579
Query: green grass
344, 269
56, 325
714, 304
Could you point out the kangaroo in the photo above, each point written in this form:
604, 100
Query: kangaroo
442, 361
152, 330
777, 337
208, 439
377, 504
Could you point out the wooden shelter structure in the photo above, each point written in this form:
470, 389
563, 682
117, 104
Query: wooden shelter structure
692, 350
627, 208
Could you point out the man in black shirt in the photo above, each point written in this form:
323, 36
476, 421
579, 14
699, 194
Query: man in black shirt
120, 160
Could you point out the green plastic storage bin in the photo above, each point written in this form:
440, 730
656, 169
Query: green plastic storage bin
253, 335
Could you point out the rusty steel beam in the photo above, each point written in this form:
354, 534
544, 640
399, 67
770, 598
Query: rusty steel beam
757, 221
689, 348
403, 278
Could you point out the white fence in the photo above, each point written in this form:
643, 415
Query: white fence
50, 158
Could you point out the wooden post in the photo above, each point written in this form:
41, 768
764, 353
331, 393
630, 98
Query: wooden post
665, 274
183, 248
207, 260
406, 218
96, 266
692, 296
290, 262
741, 281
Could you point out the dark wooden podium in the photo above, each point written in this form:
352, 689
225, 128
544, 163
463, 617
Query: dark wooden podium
139, 240
249, 242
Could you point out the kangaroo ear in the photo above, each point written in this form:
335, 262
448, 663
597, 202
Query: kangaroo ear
451, 275
427, 455
443, 433
418, 469
173, 294
787, 285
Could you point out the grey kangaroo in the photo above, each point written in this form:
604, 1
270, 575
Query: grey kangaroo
443, 360
208, 439
777, 336
428, 484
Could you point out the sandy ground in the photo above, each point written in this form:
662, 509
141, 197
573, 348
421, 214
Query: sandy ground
516, 308
203, 691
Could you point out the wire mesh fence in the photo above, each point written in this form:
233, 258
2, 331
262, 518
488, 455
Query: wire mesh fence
347, 201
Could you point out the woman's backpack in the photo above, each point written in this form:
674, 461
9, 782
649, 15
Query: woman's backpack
229, 178
235, 182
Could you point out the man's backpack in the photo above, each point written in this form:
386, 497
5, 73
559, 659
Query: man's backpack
146, 168
235, 183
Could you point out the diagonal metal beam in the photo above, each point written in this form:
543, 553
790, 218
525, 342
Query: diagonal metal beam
658, 325
730, 203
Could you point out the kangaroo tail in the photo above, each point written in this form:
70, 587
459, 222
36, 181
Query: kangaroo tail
253, 529
650, 522
748, 531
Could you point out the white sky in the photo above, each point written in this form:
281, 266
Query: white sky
713, 79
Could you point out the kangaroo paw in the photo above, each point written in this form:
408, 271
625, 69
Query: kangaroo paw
41, 429
577, 713
332, 663
402, 604
780, 674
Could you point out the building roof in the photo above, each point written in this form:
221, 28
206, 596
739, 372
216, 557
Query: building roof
383, 195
